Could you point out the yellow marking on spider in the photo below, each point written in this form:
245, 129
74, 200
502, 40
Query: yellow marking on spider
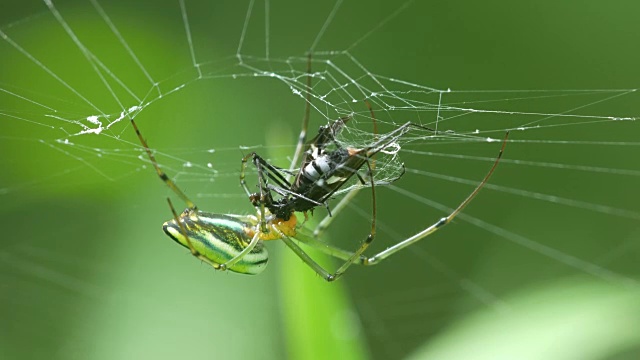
287, 227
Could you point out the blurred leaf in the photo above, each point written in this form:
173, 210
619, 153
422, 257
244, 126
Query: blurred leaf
571, 319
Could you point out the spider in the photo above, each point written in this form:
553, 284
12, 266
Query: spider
235, 242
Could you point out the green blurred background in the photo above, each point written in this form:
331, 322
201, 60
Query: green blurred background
86, 271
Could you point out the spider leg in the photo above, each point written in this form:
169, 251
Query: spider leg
163, 176
373, 260
443, 221
328, 249
194, 252
244, 252
369, 239
350, 258
305, 257
302, 138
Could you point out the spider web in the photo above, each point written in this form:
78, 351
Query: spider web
209, 82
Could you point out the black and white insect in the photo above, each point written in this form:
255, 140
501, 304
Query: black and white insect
325, 167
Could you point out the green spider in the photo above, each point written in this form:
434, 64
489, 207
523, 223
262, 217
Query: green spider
235, 242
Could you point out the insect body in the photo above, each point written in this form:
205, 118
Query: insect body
322, 171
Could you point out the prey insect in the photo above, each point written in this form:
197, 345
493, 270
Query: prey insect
322, 171
236, 242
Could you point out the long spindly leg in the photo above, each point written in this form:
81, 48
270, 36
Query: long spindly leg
242, 254
373, 260
260, 207
327, 249
350, 258
163, 176
365, 244
442, 222
305, 257
302, 138
193, 250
